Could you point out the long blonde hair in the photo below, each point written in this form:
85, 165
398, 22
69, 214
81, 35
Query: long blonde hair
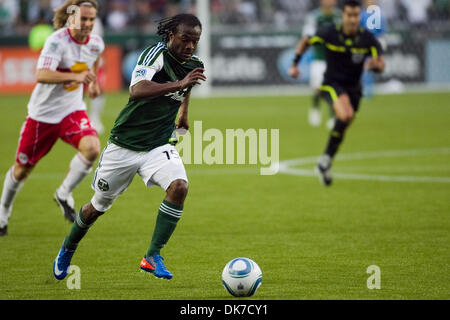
64, 12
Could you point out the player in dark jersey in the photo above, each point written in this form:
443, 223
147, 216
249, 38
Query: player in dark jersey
141, 140
347, 47
326, 15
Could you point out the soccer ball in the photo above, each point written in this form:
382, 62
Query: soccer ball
241, 277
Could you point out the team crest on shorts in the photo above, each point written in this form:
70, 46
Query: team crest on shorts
23, 158
103, 185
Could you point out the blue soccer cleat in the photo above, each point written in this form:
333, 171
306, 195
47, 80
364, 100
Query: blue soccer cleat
154, 264
62, 263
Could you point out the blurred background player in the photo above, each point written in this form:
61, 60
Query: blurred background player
56, 109
326, 15
39, 33
98, 103
347, 47
379, 31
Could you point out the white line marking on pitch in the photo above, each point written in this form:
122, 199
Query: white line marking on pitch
291, 167
286, 167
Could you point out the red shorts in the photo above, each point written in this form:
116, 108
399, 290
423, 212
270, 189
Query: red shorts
37, 138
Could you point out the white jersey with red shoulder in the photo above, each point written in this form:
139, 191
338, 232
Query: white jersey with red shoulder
51, 103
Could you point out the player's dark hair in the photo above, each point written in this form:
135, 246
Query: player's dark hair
167, 25
351, 3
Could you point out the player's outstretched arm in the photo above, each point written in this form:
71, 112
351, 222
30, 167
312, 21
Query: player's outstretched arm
147, 89
50, 76
376, 64
302, 46
183, 113
94, 88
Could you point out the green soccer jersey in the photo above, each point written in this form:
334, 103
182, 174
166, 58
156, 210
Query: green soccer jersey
149, 123
318, 19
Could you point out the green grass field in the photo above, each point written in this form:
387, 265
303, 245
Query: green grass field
390, 209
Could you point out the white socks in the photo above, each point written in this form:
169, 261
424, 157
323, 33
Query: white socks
10, 188
324, 161
97, 105
80, 167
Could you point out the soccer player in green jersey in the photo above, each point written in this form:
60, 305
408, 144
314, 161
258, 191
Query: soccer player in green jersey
140, 141
347, 47
326, 15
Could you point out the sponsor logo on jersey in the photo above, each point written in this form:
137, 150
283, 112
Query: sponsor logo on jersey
77, 67
178, 96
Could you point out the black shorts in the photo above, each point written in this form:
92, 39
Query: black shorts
330, 91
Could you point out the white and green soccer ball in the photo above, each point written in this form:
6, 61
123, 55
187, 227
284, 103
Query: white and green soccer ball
241, 277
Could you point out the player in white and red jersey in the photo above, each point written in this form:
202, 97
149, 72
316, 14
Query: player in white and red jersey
56, 108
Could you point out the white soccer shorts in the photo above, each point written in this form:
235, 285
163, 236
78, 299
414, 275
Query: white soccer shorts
316, 73
118, 166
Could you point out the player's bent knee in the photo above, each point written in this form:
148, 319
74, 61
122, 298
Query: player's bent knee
101, 203
346, 113
91, 151
344, 117
351, 118
90, 214
350, 115
21, 172
178, 189
90, 154
90, 148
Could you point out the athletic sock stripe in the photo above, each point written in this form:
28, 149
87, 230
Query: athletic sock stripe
171, 209
170, 214
81, 224
166, 208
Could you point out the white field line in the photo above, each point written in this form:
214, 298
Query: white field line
287, 167
291, 167
204, 171
397, 168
